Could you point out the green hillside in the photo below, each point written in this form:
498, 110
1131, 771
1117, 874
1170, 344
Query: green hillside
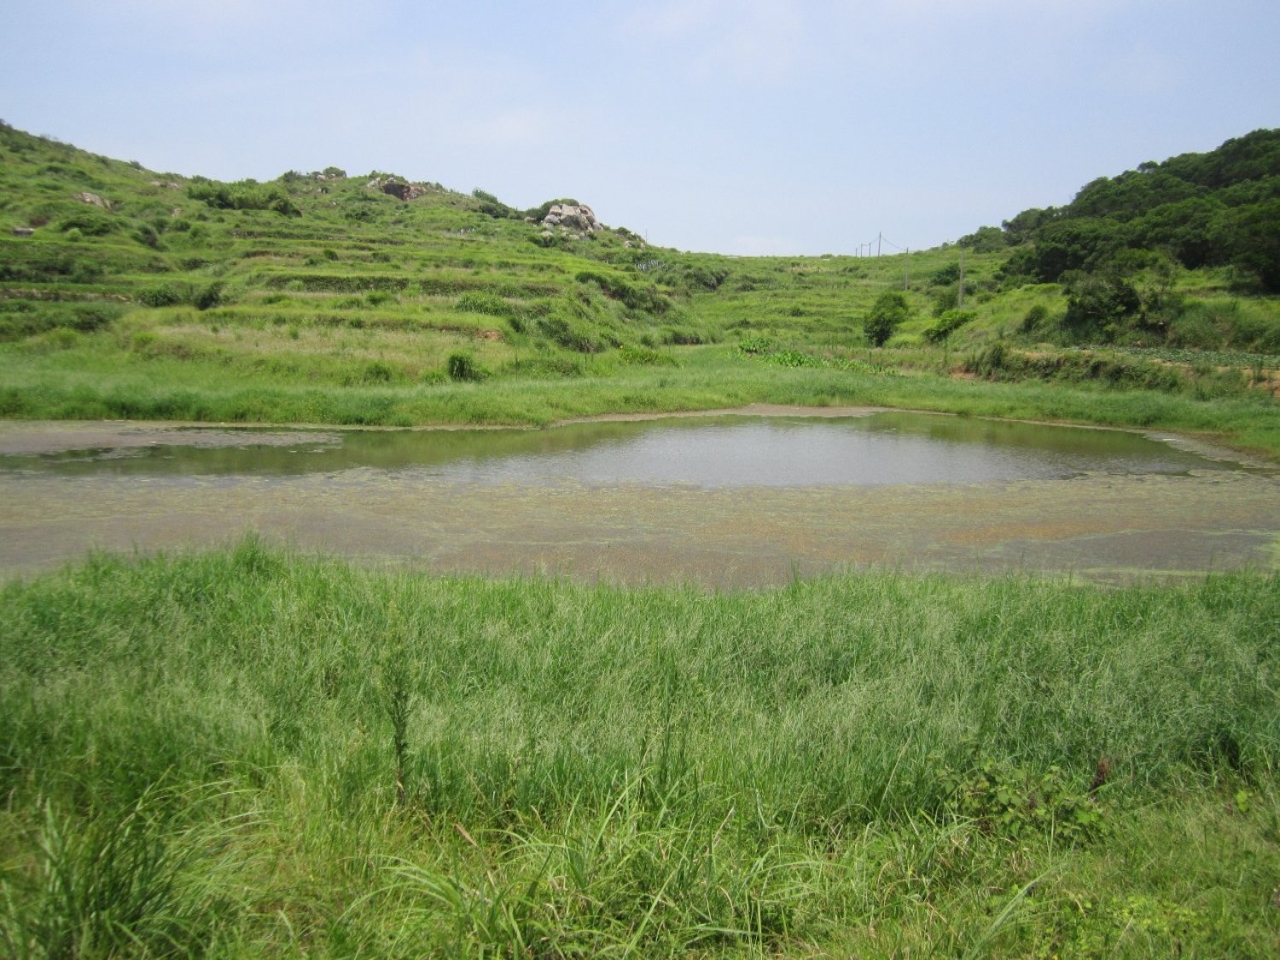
250, 753
370, 298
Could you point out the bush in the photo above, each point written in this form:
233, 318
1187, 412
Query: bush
567, 335
947, 324
462, 366
245, 195
755, 344
945, 276
645, 357
485, 303
89, 223
1036, 318
209, 297
887, 314
377, 372
166, 295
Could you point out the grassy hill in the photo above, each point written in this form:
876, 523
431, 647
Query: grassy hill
252, 753
372, 299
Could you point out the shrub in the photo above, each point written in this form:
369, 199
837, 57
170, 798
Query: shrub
377, 371
1035, 319
567, 335
485, 303
645, 357
945, 276
89, 223
887, 314
681, 337
947, 324
209, 297
166, 295
756, 344
462, 366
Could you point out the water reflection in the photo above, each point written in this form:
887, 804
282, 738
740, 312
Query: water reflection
885, 448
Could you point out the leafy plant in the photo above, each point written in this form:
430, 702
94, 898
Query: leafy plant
947, 324
1013, 802
887, 314
462, 366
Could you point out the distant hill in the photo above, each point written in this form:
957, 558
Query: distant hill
326, 280
1200, 209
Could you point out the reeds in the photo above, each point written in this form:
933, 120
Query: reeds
247, 752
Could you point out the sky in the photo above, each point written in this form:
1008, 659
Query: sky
750, 127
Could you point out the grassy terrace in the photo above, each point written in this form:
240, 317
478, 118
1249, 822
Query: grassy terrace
322, 298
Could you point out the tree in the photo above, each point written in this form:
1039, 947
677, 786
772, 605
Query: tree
1254, 241
887, 313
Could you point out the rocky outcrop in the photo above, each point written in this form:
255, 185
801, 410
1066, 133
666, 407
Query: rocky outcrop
396, 187
94, 199
576, 217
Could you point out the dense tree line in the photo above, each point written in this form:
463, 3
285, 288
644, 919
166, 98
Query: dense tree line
1199, 210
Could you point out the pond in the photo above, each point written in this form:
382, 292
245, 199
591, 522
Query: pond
731, 500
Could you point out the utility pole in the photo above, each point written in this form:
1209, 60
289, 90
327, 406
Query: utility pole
960, 292
879, 239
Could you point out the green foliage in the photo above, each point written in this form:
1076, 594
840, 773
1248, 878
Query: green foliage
1035, 319
646, 299
1206, 209
1015, 803
1254, 238
491, 206
486, 303
208, 296
244, 195
888, 312
569, 334
945, 276
998, 362
1098, 304
645, 357
985, 240
250, 753
89, 223
462, 366
755, 344
948, 323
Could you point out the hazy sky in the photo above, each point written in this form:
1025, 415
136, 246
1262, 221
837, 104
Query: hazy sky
754, 126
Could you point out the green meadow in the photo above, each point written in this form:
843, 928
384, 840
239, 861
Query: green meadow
251, 753
255, 753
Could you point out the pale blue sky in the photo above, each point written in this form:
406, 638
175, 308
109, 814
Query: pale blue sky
745, 127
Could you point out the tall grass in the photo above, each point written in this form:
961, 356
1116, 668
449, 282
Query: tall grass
261, 753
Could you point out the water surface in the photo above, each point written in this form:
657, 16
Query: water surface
724, 501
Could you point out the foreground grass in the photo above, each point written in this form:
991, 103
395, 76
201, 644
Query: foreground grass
248, 753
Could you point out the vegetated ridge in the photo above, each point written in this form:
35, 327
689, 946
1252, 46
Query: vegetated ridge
324, 296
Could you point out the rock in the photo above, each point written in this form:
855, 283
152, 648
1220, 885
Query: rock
94, 199
577, 217
401, 190
396, 187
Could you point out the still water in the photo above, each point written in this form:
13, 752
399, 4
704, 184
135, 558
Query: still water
723, 501
713, 452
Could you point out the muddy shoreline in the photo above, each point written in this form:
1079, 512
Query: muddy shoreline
1103, 527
